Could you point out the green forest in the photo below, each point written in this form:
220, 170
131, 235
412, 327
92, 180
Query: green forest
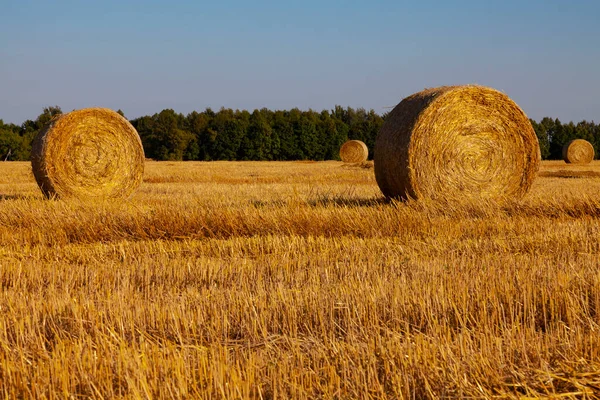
267, 135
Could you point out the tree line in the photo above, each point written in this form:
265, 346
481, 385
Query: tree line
267, 135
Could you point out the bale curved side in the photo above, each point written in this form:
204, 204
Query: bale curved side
458, 142
578, 151
88, 153
354, 151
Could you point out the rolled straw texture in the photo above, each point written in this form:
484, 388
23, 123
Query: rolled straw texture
88, 153
458, 142
578, 151
354, 151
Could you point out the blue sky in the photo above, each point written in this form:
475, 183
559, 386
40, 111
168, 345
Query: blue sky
145, 56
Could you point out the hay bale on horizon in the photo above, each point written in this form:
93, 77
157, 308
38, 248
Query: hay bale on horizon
578, 151
88, 153
354, 151
458, 143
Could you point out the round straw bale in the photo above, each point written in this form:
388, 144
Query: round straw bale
578, 151
89, 153
354, 151
458, 142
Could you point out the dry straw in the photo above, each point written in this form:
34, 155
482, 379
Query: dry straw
578, 151
456, 142
89, 153
354, 151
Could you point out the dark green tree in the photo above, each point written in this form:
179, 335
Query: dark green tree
306, 131
541, 131
173, 140
163, 135
332, 139
228, 129
284, 123
557, 137
11, 144
197, 124
256, 144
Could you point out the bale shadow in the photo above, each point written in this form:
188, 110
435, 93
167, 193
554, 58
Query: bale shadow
563, 173
326, 202
18, 197
347, 202
361, 165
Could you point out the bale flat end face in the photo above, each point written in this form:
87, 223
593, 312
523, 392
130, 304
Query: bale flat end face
460, 143
354, 152
87, 154
578, 151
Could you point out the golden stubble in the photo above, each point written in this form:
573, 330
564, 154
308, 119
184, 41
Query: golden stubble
297, 280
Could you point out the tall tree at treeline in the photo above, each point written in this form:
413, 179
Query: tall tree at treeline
267, 135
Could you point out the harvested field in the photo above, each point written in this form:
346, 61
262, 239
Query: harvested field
298, 280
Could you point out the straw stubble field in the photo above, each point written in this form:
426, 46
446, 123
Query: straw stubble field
296, 280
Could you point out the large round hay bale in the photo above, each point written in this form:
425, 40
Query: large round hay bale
578, 151
354, 151
89, 153
456, 142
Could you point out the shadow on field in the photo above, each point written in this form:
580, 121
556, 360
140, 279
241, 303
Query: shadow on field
16, 197
345, 202
563, 173
326, 202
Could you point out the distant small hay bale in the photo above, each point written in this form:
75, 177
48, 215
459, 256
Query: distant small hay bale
578, 151
354, 151
458, 142
88, 153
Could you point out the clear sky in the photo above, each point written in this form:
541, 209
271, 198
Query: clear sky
144, 56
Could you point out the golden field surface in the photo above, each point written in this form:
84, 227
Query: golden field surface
297, 280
